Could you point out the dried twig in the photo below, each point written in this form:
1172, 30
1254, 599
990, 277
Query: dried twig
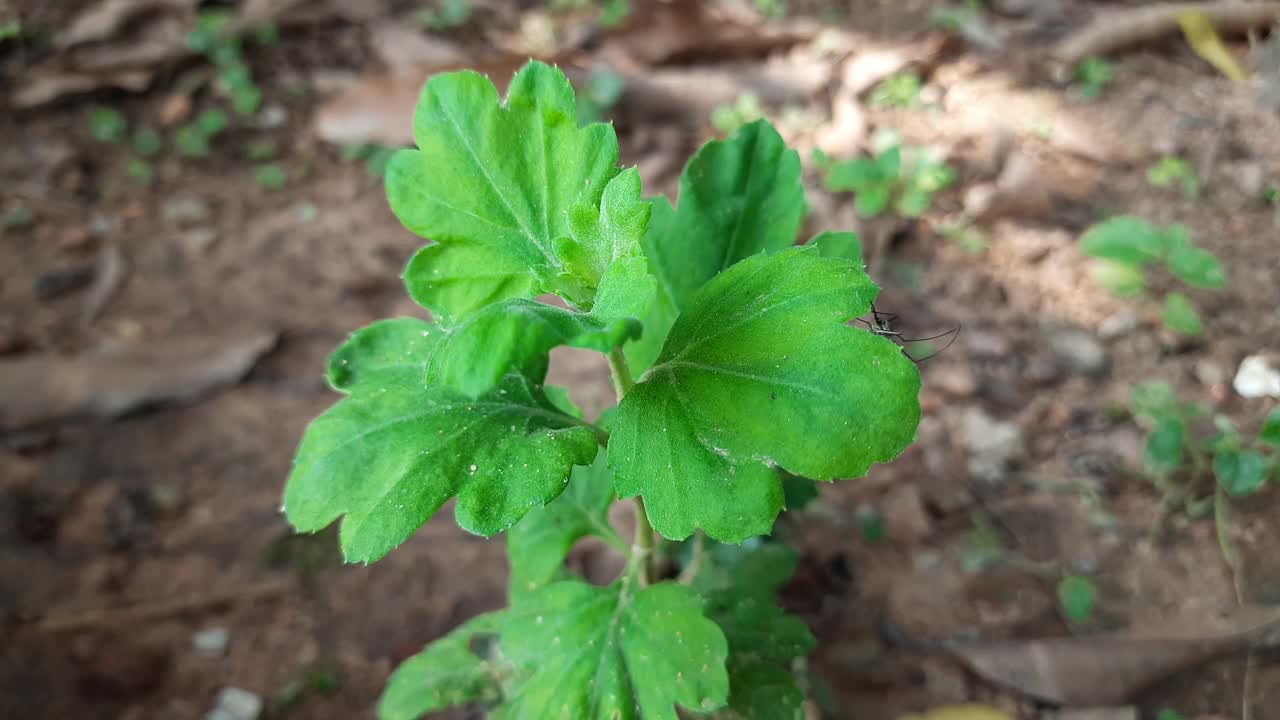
133, 614
1116, 30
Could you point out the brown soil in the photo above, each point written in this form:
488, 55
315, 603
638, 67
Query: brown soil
180, 503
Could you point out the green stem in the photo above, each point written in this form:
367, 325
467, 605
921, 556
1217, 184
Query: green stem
642, 546
691, 570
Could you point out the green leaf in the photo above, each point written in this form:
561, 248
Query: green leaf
458, 279
1270, 432
107, 124
394, 450
505, 179
606, 653
1121, 279
844, 245
913, 203
1162, 453
1180, 316
1153, 399
854, 175
1197, 268
518, 335
1124, 239
270, 176
1078, 597
739, 583
211, 122
147, 142
797, 492
872, 200
387, 351
447, 672
538, 544
1169, 714
761, 370
738, 197
1240, 472
608, 234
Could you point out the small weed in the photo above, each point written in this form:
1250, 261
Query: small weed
899, 90
1181, 456
1092, 76
191, 141
1126, 246
270, 177
147, 142
107, 124
906, 178
1077, 597
11, 30
1170, 714
870, 524
745, 109
140, 171
967, 237
1172, 171
774, 9
211, 122
223, 49
445, 14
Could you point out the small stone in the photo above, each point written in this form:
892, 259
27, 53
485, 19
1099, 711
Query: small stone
273, 116
906, 521
986, 344
238, 704
1078, 350
165, 499
1250, 177
1258, 376
1209, 372
174, 110
1118, 325
186, 210
994, 446
954, 380
211, 642
197, 241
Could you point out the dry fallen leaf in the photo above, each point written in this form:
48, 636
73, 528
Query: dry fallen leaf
1112, 669
43, 387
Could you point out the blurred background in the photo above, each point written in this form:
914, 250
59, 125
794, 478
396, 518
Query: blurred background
192, 217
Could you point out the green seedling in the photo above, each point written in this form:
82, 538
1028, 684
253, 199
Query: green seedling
1092, 76
774, 9
899, 90
147, 142
140, 171
191, 141
745, 109
11, 30
261, 150
107, 125
734, 363
445, 14
270, 177
1173, 171
604, 88
1198, 468
1077, 597
213, 39
1126, 247
904, 178
1170, 714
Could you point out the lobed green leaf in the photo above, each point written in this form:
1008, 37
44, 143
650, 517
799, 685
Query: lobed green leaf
388, 455
447, 672
761, 370
538, 544
498, 181
738, 197
1162, 453
611, 653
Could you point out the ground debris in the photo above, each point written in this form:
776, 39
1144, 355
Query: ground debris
42, 387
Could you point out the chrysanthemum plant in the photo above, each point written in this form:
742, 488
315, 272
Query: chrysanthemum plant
735, 363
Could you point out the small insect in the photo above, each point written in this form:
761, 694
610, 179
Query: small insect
882, 324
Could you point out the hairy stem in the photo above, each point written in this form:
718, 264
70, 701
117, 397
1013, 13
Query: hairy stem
642, 547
